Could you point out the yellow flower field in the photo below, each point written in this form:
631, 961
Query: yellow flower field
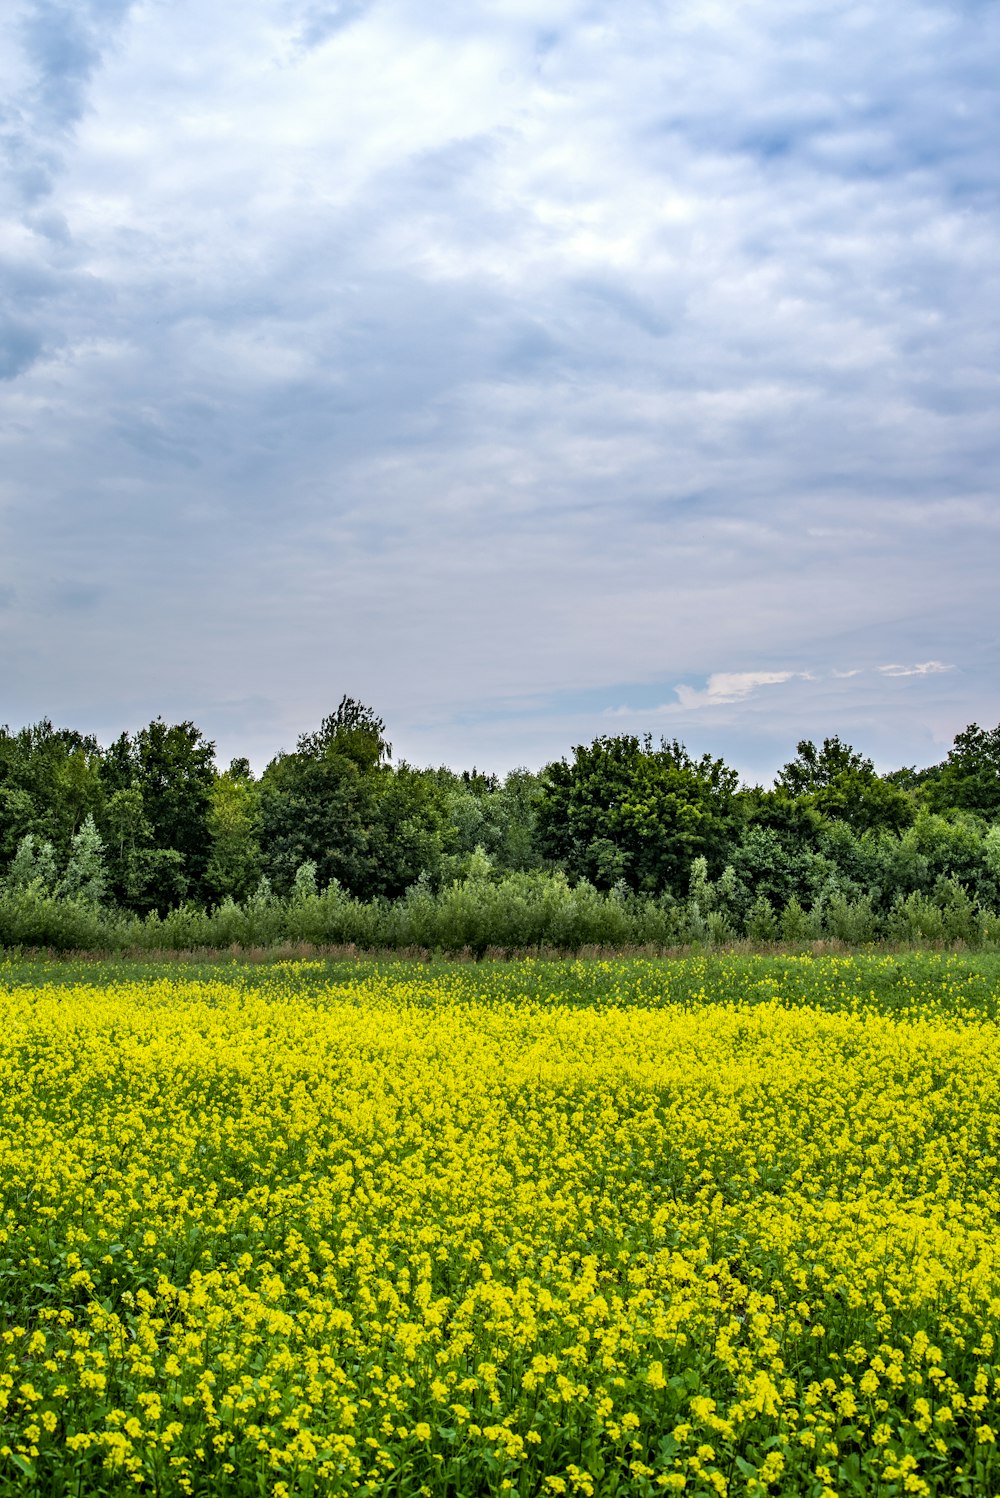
451, 1233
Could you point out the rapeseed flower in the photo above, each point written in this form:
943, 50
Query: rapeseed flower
404, 1235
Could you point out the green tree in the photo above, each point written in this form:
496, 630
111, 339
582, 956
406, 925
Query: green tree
33, 866
85, 878
624, 810
843, 785
316, 809
127, 838
19, 817
168, 840
969, 779
319, 804
408, 832
497, 815
141, 876
337, 803
354, 732
50, 781
234, 863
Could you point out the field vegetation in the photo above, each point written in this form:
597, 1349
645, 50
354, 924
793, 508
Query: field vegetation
721, 1226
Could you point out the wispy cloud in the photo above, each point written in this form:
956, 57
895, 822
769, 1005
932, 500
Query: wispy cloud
721, 689
724, 687
922, 668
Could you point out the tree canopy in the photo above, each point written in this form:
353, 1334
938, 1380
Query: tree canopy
150, 822
624, 809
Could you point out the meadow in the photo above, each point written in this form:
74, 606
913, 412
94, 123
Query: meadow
717, 1226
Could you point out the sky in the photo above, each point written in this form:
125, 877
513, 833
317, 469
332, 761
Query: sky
528, 370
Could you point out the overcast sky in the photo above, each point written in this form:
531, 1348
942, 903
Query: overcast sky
530, 370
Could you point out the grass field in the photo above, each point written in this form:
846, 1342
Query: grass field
715, 1226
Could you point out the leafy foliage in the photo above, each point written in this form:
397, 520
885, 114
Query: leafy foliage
625, 839
970, 777
843, 786
626, 810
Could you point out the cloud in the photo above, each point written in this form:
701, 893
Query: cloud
320, 22
19, 347
724, 687
63, 44
923, 668
54, 50
465, 356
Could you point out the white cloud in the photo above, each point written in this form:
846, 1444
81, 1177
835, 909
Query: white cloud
922, 668
721, 688
729, 686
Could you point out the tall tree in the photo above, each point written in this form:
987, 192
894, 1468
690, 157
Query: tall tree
969, 779
234, 864
624, 809
163, 840
176, 772
50, 781
85, 877
319, 805
843, 785
141, 876
353, 731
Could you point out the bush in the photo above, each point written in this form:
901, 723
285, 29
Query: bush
850, 921
915, 917
34, 918
761, 922
798, 924
483, 911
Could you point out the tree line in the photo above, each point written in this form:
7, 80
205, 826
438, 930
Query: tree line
626, 839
